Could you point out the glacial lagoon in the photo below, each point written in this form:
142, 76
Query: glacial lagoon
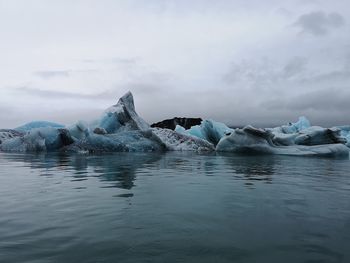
173, 207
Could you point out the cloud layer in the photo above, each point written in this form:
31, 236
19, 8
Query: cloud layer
240, 62
319, 23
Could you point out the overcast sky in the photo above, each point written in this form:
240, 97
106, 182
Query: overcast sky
236, 61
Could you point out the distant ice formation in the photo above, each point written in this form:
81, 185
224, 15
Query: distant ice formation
209, 130
263, 141
121, 129
175, 141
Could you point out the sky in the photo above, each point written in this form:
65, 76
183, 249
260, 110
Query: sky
235, 61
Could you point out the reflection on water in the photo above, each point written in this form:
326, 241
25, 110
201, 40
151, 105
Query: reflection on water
254, 168
173, 207
119, 169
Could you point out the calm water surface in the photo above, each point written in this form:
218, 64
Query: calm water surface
174, 207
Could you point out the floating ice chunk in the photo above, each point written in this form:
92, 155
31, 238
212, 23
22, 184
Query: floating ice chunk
253, 140
345, 132
301, 124
283, 139
176, 141
195, 131
122, 116
313, 135
109, 122
38, 124
129, 141
209, 130
79, 130
121, 129
317, 135
302, 133
180, 129
6, 134
37, 140
214, 131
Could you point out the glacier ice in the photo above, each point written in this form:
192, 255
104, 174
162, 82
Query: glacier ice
302, 124
38, 124
175, 141
38, 139
124, 141
345, 132
121, 129
6, 134
298, 138
260, 141
316, 135
79, 130
209, 130
122, 116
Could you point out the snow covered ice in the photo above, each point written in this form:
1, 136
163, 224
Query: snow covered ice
120, 128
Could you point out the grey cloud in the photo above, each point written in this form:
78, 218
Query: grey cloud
295, 66
331, 77
319, 23
47, 74
334, 99
144, 88
253, 72
295, 71
326, 107
309, 2
49, 93
293, 89
265, 72
113, 60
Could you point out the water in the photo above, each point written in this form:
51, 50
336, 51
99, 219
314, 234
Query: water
173, 207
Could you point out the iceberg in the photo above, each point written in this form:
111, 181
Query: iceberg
122, 117
316, 135
260, 141
38, 124
209, 130
38, 139
345, 132
302, 124
121, 129
6, 134
302, 133
79, 131
125, 141
175, 141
